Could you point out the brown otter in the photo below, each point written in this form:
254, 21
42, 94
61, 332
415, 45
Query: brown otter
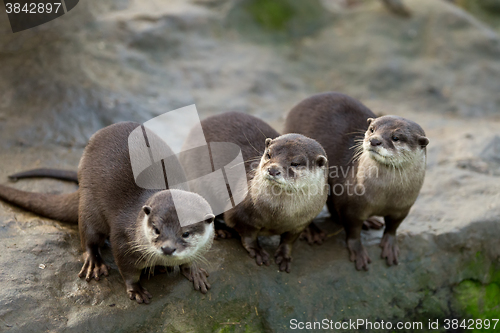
142, 225
286, 178
380, 173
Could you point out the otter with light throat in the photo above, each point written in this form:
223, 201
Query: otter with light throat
142, 225
286, 177
382, 160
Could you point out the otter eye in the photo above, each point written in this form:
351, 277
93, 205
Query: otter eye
156, 230
371, 129
294, 164
395, 138
185, 235
268, 156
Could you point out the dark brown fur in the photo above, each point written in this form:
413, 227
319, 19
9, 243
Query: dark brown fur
340, 124
262, 213
110, 204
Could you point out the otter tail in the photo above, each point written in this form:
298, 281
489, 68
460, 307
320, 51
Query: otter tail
61, 207
71, 176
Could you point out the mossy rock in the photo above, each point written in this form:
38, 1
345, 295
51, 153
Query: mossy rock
266, 20
479, 301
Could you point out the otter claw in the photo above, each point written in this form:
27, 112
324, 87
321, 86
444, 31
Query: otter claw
390, 249
93, 267
140, 294
284, 263
198, 276
260, 255
358, 254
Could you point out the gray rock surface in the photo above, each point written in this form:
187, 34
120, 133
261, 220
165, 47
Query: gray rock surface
107, 61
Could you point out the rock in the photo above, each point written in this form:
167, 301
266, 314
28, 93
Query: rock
114, 60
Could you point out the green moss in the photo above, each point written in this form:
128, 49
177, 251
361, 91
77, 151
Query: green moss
478, 301
238, 328
277, 20
271, 15
237, 318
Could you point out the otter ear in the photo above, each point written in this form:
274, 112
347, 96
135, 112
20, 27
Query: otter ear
321, 161
369, 120
423, 141
209, 218
146, 209
268, 142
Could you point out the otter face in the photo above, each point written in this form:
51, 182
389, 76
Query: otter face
163, 240
293, 161
395, 141
173, 242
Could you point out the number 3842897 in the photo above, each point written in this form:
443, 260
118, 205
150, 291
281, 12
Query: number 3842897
32, 8
470, 324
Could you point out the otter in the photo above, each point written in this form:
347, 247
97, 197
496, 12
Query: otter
142, 225
377, 165
286, 179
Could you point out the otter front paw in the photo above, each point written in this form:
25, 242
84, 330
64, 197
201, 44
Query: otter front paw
358, 254
283, 260
313, 234
198, 276
390, 249
93, 267
260, 255
137, 292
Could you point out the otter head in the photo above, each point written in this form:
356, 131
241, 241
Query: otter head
167, 238
395, 141
293, 161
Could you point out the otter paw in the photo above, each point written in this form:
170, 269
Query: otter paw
373, 223
93, 268
260, 255
390, 249
198, 276
358, 254
140, 294
312, 234
222, 234
283, 260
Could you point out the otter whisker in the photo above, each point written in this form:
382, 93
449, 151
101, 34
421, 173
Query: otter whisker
251, 144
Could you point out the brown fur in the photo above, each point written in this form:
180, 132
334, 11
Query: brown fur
340, 124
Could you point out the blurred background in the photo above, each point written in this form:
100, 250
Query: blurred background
122, 59
436, 62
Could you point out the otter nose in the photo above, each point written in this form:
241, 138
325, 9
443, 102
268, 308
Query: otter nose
168, 250
273, 171
375, 142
